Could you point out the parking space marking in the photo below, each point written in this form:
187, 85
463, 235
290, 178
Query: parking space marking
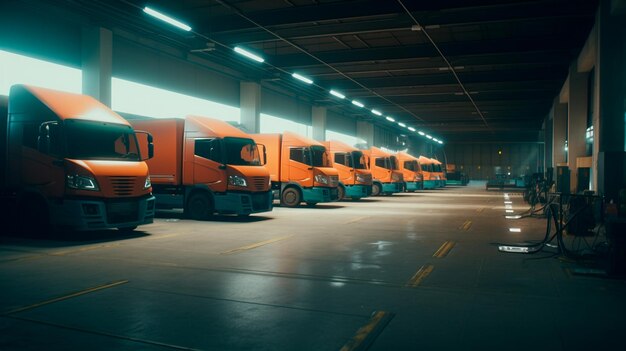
358, 219
420, 275
444, 249
366, 335
254, 246
466, 225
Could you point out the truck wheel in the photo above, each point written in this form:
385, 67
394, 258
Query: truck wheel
198, 206
290, 197
341, 192
376, 189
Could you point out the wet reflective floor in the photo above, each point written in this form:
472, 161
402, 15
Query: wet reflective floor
410, 271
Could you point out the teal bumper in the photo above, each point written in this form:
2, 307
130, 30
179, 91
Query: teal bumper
319, 194
412, 186
431, 184
243, 203
390, 188
358, 191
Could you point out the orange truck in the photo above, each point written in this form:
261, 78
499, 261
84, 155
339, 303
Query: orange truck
440, 173
428, 173
384, 166
355, 180
69, 162
204, 166
411, 171
300, 169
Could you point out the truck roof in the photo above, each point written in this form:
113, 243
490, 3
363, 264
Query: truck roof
293, 139
216, 127
338, 146
376, 152
436, 161
404, 156
64, 105
425, 160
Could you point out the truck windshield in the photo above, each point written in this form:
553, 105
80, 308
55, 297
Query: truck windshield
242, 152
319, 156
410, 165
436, 168
100, 141
393, 161
358, 161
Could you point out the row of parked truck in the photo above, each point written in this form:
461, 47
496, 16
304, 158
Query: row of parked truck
69, 161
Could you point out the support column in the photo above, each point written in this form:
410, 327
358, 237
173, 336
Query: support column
318, 120
611, 76
250, 105
577, 121
97, 57
559, 127
548, 142
365, 131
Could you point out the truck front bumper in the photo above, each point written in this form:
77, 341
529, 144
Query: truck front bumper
319, 194
390, 188
431, 184
94, 214
358, 191
412, 186
243, 203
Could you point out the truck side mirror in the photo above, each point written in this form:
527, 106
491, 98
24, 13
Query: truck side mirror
43, 138
264, 153
147, 146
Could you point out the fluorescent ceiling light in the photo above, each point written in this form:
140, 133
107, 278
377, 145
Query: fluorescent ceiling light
513, 217
421, 133
515, 230
337, 94
412, 129
390, 119
435, 139
166, 18
357, 103
428, 136
401, 124
377, 113
248, 54
508, 202
440, 142
302, 78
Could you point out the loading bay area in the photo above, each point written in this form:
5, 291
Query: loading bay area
416, 271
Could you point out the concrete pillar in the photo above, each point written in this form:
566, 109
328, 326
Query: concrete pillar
250, 105
610, 131
577, 121
97, 57
365, 131
318, 120
548, 163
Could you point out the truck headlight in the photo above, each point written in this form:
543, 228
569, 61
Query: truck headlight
322, 179
396, 177
360, 178
81, 182
236, 180
147, 183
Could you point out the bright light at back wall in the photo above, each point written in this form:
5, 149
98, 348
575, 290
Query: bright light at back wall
145, 100
19, 69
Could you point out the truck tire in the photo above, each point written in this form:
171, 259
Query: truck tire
376, 189
290, 197
341, 193
198, 206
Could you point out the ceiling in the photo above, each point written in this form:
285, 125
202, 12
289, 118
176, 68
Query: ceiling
505, 60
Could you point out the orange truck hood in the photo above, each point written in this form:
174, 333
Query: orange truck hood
329, 171
251, 171
113, 168
116, 179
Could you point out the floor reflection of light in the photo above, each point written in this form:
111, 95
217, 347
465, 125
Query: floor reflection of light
515, 230
337, 284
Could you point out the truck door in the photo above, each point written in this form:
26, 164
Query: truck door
300, 169
208, 164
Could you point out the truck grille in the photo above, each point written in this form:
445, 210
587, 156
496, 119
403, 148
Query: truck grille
122, 211
334, 181
261, 202
123, 186
259, 183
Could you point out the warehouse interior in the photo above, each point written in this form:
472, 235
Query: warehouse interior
522, 102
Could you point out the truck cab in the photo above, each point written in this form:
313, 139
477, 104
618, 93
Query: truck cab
73, 163
300, 169
411, 171
384, 167
430, 178
206, 166
355, 179
439, 172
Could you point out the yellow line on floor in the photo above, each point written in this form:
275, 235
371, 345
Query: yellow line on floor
254, 246
164, 236
420, 275
83, 249
444, 249
480, 210
358, 219
357, 342
69, 296
466, 225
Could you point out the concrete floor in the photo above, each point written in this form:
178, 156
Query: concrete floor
410, 271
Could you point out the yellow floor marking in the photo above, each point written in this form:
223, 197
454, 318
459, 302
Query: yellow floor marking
254, 246
444, 249
420, 275
466, 225
480, 210
69, 296
164, 236
83, 249
356, 342
358, 219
